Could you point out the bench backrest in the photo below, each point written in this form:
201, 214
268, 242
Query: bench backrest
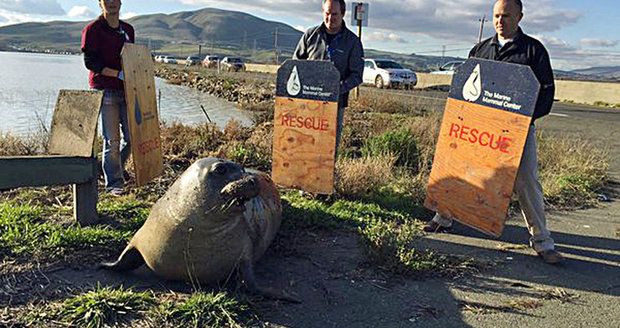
74, 124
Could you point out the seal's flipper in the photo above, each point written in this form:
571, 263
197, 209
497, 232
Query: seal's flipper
129, 260
249, 282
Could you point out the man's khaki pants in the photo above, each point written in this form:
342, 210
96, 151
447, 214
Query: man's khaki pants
530, 194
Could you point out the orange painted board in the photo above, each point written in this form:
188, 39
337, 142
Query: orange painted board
476, 161
304, 144
141, 101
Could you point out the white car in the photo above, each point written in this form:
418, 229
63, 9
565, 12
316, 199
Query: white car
192, 60
169, 60
384, 73
449, 68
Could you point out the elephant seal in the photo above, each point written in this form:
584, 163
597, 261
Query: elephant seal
215, 219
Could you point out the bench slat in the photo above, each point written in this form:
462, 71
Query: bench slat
45, 171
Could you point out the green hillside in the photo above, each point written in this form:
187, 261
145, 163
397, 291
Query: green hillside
210, 27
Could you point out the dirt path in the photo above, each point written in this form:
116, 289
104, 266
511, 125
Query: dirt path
518, 291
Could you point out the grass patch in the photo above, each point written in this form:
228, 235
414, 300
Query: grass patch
571, 171
387, 235
128, 215
390, 246
400, 143
24, 232
300, 212
606, 104
11, 145
205, 310
104, 307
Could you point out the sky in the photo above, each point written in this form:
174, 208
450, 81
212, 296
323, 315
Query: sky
577, 33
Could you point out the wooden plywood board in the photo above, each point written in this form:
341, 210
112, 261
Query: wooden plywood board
304, 144
484, 130
141, 100
476, 163
305, 123
74, 124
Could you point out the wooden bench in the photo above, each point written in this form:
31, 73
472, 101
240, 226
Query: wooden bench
71, 158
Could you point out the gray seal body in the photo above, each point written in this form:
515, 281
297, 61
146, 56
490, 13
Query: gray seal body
216, 218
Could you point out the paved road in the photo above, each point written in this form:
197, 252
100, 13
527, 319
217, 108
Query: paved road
590, 277
595, 124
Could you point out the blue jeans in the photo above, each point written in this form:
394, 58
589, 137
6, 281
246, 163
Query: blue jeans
115, 153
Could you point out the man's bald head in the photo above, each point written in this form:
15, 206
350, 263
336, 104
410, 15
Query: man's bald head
506, 17
517, 3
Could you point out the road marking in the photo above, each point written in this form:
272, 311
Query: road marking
558, 114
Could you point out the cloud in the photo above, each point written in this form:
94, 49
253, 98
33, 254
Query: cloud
446, 19
3, 19
384, 37
36, 7
128, 15
81, 12
552, 42
567, 56
598, 43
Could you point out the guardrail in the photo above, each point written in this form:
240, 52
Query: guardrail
583, 92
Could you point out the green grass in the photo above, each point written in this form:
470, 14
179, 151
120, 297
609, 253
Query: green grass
390, 246
388, 236
129, 214
300, 212
24, 231
205, 310
104, 307
400, 143
572, 170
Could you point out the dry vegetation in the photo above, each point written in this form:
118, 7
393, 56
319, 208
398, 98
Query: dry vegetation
385, 159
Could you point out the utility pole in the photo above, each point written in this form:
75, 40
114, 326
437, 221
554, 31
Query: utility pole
359, 17
276, 46
482, 20
443, 53
254, 49
245, 35
199, 50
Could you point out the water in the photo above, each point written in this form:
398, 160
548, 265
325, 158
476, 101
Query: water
29, 85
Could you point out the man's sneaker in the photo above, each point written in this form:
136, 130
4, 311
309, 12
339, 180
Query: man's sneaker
551, 256
116, 192
432, 226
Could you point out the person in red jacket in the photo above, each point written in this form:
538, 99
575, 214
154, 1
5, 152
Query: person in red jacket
102, 42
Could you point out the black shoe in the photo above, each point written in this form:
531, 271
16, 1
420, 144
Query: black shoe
434, 227
551, 256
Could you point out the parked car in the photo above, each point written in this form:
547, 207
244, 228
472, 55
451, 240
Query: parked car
449, 68
232, 64
192, 60
211, 61
169, 60
385, 73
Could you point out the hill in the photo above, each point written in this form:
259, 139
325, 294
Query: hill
610, 72
209, 27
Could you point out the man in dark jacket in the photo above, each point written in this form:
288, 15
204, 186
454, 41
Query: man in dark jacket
102, 42
333, 41
511, 45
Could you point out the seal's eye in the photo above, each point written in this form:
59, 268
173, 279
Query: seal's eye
219, 169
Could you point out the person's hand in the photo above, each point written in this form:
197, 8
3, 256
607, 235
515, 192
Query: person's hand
121, 75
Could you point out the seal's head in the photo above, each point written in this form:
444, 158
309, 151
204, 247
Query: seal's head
222, 185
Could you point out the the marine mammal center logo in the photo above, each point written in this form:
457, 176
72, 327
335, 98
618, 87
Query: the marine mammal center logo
472, 90
293, 86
